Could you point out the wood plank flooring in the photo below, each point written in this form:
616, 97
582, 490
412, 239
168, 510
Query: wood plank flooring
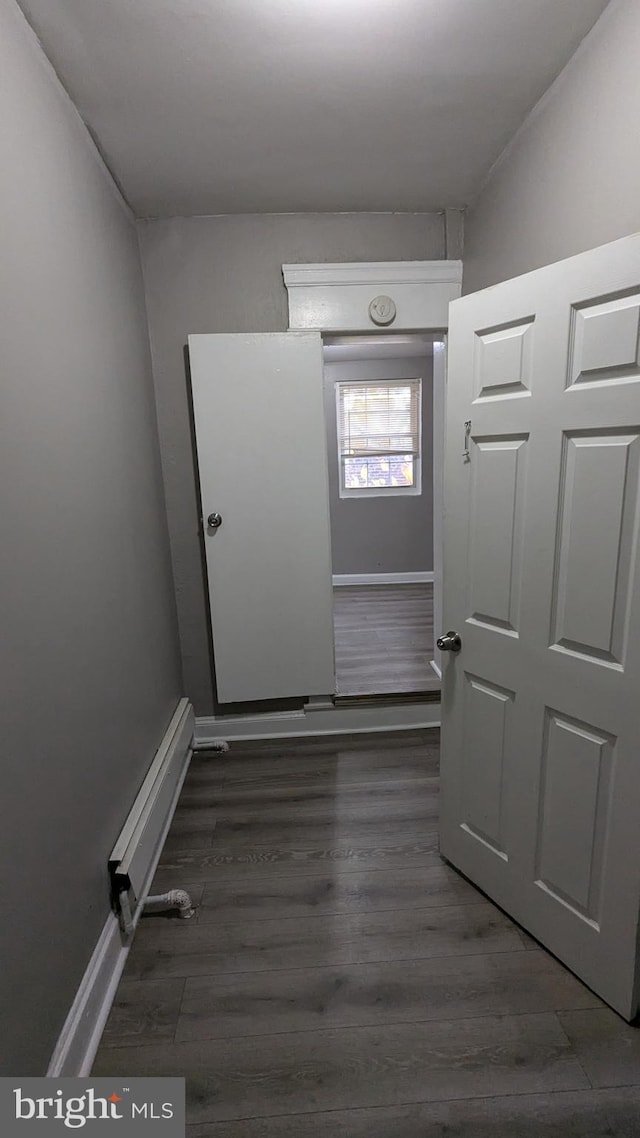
384, 639
340, 981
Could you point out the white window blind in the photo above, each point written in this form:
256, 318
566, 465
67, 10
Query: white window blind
379, 435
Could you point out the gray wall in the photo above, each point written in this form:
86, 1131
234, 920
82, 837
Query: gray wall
378, 534
571, 178
224, 274
89, 658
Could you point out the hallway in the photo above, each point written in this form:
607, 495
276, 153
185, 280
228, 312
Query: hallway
340, 981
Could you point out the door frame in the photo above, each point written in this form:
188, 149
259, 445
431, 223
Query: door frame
338, 298
335, 298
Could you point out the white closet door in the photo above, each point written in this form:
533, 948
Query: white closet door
261, 445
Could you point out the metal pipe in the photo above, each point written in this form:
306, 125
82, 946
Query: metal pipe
175, 899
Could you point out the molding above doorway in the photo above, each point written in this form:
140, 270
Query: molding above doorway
338, 297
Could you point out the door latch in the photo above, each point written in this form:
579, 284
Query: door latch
467, 434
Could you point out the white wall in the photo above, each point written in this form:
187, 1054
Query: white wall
224, 274
88, 644
380, 534
571, 178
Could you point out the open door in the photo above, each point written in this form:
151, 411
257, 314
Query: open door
260, 437
541, 703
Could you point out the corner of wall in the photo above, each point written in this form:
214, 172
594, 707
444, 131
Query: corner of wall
84, 130
453, 234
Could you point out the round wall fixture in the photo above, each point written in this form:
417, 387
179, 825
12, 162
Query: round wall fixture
382, 310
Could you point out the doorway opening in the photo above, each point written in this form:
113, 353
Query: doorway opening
379, 407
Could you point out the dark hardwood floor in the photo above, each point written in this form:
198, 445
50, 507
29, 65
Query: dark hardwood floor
384, 639
340, 981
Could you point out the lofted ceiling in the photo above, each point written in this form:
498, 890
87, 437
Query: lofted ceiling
236, 106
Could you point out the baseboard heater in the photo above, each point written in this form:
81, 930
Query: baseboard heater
137, 851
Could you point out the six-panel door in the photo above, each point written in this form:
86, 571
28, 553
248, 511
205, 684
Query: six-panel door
541, 708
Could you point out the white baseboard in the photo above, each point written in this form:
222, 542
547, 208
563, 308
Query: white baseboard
136, 853
382, 578
321, 721
79, 1039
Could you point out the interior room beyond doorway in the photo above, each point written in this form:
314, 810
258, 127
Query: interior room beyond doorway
379, 413
384, 639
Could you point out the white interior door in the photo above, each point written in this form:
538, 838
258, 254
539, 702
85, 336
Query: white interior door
541, 707
260, 436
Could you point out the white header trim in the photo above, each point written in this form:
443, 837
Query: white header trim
338, 298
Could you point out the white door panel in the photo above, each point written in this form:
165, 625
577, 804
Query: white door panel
541, 708
260, 434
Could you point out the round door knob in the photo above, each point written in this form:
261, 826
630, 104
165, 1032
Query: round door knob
214, 521
451, 642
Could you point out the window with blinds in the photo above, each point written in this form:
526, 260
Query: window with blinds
379, 437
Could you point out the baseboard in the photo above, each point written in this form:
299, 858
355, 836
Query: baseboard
136, 853
79, 1039
382, 578
323, 721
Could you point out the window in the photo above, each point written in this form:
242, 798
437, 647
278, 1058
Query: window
379, 437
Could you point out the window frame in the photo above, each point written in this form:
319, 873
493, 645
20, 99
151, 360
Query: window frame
379, 491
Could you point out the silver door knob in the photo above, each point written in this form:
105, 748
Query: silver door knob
451, 642
214, 521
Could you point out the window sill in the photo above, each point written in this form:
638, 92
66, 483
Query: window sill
383, 492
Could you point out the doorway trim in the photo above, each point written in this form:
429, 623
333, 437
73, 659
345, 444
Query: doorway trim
337, 298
